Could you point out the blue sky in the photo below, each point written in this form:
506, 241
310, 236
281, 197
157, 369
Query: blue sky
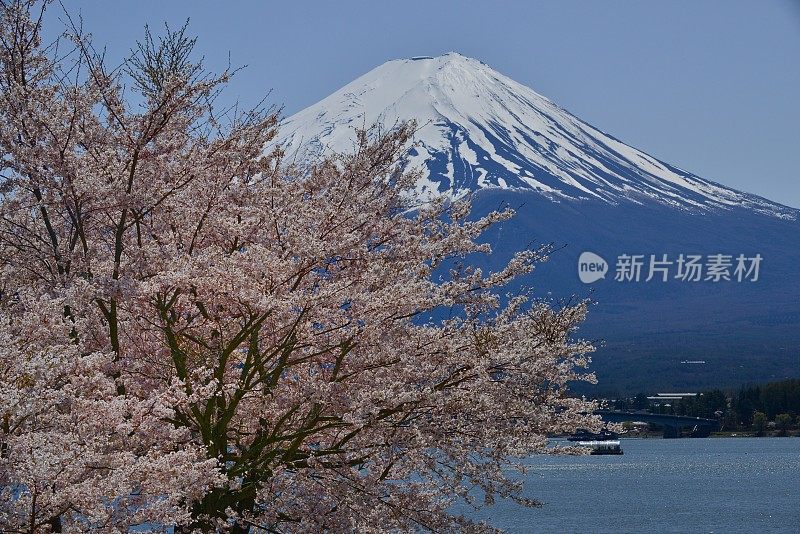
712, 87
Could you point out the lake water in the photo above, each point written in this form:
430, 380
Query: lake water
748, 485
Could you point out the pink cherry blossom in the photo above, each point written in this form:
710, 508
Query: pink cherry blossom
198, 333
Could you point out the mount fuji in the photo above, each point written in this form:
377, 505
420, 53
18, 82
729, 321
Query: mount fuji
482, 134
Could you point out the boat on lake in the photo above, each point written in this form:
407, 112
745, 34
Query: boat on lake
602, 447
584, 435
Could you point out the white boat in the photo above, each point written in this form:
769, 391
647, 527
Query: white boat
602, 447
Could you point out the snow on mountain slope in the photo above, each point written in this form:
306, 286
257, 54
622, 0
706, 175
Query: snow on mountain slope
480, 129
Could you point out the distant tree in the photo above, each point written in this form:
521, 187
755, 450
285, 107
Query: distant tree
621, 404
759, 423
748, 401
783, 422
730, 421
781, 397
640, 401
715, 401
194, 333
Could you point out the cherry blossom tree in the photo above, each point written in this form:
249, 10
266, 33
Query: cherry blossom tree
195, 332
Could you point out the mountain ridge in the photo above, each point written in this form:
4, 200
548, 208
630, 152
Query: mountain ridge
480, 129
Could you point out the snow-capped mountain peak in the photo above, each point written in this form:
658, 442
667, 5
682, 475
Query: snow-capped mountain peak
480, 129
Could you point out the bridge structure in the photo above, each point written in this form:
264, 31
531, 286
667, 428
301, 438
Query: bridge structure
672, 424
